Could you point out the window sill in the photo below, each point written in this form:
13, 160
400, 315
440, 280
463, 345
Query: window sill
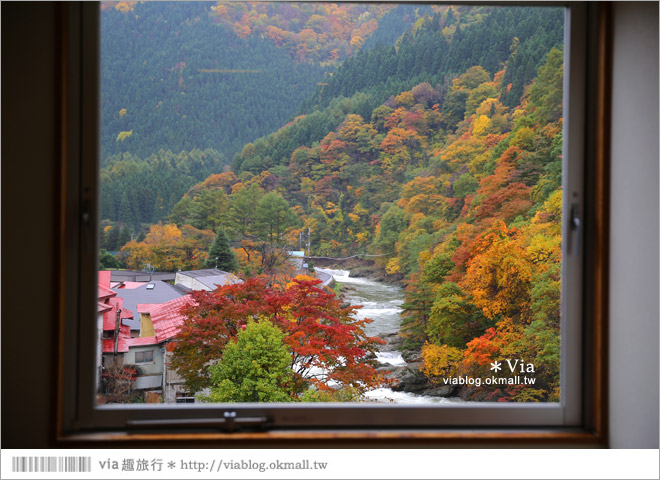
534, 438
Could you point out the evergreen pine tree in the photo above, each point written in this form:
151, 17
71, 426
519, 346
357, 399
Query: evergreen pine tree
112, 240
221, 255
124, 237
126, 212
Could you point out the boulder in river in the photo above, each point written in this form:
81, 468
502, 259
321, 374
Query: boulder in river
393, 342
408, 380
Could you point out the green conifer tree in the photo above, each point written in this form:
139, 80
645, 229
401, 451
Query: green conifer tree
221, 255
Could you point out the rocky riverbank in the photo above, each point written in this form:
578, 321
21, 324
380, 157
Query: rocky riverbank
409, 378
361, 268
368, 285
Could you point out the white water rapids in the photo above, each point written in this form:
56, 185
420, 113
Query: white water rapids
382, 304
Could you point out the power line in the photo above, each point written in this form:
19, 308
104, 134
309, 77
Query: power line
352, 256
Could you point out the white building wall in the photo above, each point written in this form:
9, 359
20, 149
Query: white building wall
155, 368
189, 282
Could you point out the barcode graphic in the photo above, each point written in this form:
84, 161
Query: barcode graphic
51, 464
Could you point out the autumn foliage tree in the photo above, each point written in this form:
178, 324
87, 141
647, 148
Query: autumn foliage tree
328, 345
169, 248
455, 182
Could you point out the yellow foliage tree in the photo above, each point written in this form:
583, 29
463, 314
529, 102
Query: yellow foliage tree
125, 7
169, 248
499, 274
440, 361
393, 266
480, 126
123, 136
405, 99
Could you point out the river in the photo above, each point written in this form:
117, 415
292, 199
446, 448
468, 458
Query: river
381, 303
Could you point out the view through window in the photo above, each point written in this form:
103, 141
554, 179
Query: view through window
317, 202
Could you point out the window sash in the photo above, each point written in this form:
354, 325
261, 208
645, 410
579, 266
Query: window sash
146, 356
80, 167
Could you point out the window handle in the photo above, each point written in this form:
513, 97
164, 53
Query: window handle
575, 227
85, 225
230, 422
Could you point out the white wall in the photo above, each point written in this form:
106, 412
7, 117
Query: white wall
634, 229
189, 282
147, 368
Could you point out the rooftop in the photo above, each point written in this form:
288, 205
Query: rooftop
103, 307
122, 345
105, 292
110, 315
135, 276
211, 278
141, 341
127, 285
104, 278
160, 293
204, 273
167, 318
147, 307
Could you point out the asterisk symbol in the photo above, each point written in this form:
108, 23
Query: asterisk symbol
171, 465
495, 366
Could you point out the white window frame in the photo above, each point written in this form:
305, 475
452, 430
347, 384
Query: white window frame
78, 410
185, 397
144, 362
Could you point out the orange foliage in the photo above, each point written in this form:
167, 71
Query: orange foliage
168, 248
313, 32
498, 274
225, 181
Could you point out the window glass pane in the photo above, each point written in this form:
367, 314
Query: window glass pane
313, 202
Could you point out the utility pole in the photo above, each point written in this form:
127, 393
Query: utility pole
309, 239
149, 268
117, 320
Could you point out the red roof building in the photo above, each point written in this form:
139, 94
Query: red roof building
147, 307
104, 279
142, 341
126, 285
107, 305
110, 317
122, 344
167, 318
103, 307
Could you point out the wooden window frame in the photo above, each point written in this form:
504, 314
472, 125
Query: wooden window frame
77, 226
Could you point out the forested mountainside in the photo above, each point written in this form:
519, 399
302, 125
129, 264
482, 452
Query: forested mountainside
180, 79
370, 78
454, 178
310, 32
137, 191
398, 21
444, 45
174, 77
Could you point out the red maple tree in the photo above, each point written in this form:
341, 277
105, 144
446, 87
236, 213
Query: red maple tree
329, 347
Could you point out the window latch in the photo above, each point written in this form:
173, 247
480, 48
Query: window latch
575, 227
85, 225
230, 422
